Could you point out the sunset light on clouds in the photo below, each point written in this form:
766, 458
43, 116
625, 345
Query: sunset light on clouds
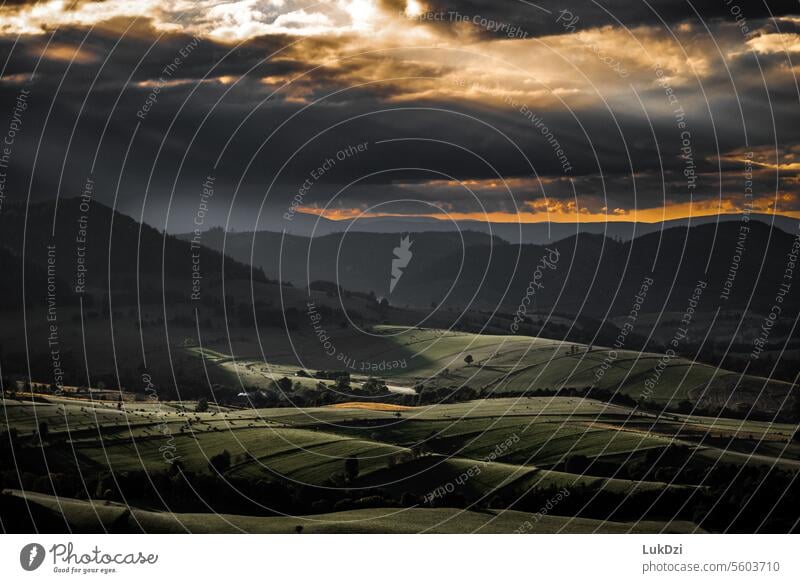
532, 84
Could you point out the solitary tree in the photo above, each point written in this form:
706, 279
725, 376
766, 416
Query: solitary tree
468, 359
285, 385
351, 468
576, 464
220, 463
202, 405
44, 430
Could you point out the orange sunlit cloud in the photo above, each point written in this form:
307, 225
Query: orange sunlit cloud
566, 212
391, 48
67, 53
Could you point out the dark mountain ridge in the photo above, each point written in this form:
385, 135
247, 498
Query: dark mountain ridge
593, 274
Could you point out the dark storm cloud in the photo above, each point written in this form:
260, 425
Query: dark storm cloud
184, 128
142, 53
551, 17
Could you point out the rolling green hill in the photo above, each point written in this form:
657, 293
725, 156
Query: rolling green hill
515, 364
84, 516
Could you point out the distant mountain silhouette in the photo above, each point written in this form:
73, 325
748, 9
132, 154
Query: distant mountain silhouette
11, 290
306, 225
594, 275
356, 261
116, 249
477, 282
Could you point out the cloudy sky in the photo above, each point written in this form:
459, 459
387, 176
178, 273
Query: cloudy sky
490, 109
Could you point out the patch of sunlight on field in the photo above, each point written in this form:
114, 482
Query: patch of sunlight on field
372, 406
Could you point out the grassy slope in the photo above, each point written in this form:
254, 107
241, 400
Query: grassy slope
84, 516
510, 363
515, 364
309, 446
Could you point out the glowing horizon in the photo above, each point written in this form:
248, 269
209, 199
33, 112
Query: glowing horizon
649, 216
